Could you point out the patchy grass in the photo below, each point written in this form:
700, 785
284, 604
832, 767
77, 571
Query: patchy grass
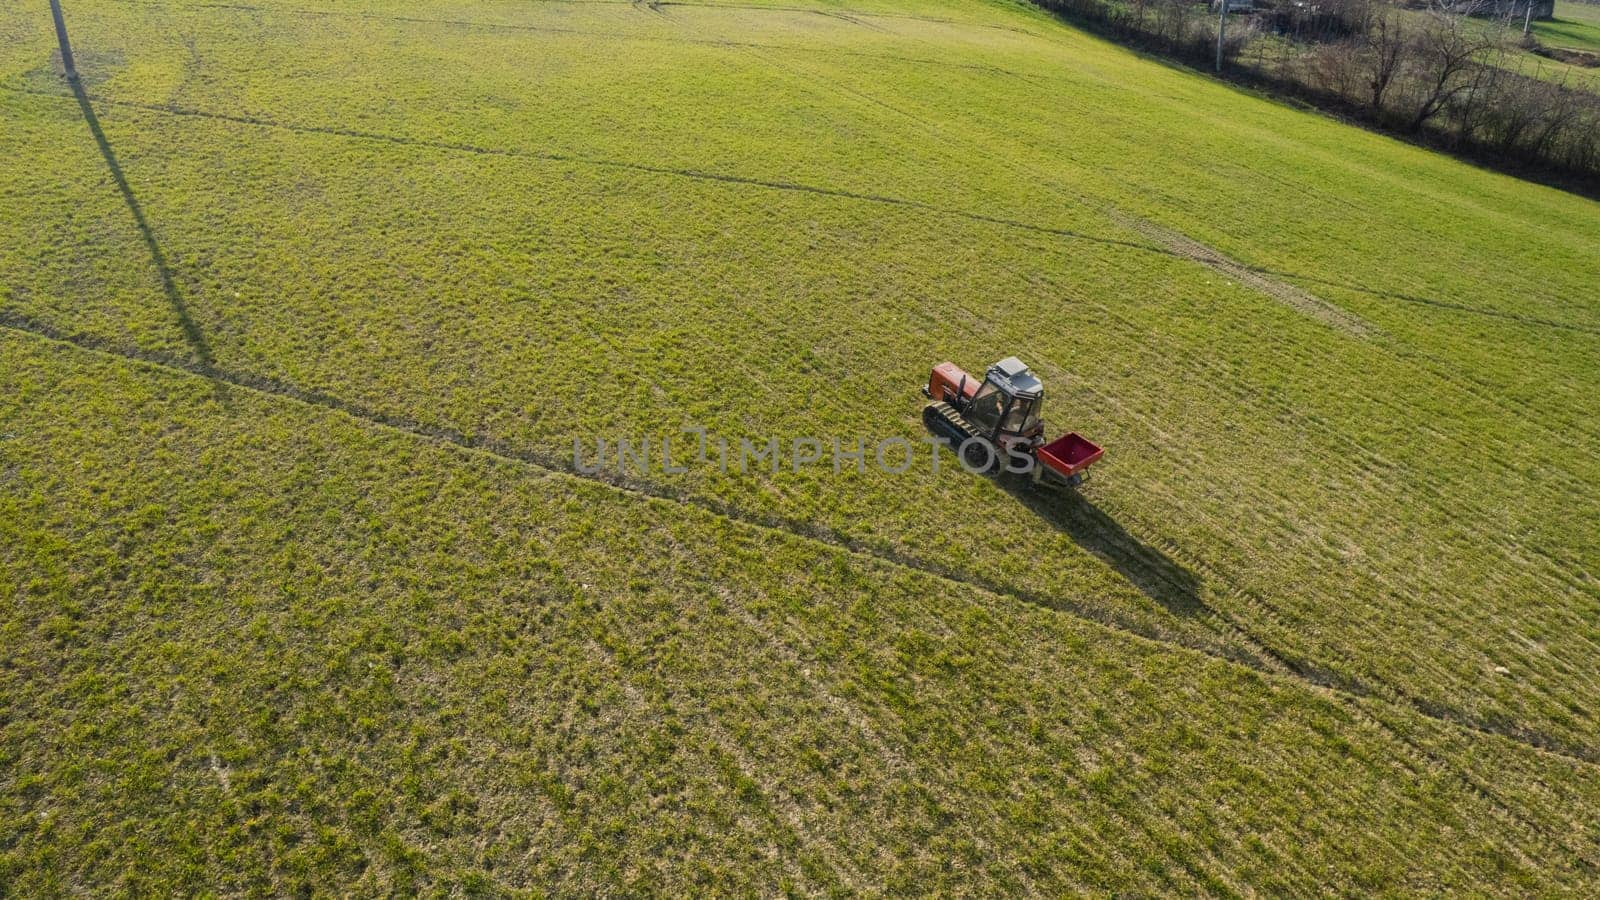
510, 226
282, 646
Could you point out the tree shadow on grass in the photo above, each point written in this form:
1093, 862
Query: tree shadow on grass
191, 331
1157, 575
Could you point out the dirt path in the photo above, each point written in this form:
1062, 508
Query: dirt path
1294, 297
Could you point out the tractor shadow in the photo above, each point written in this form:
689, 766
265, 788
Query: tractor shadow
191, 332
1157, 575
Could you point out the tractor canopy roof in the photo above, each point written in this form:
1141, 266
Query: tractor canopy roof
1013, 376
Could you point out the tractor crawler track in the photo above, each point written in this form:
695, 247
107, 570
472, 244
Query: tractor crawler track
942, 419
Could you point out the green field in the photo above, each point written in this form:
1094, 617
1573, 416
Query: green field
303, 306
1576, 26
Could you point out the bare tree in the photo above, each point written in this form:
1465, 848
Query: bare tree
1387, 39
1561, 108
1138, 10
1488, 89
1337, 69
1446, 49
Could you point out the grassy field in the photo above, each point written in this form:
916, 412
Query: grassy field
305, 305
1576, 26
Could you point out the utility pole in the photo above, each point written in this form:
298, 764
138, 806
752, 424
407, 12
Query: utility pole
61, 35
1222, 28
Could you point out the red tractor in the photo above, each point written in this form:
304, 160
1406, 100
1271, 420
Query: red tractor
996, 423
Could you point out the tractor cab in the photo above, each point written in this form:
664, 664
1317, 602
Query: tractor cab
1008, 402
1005, 407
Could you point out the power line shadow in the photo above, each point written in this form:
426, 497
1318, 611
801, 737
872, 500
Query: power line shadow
191, 332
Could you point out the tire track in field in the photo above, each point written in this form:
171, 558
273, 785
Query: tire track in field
1383, 693
1177, 244
709, 176
1308, 668
771, 184
851, 711
1174, 243
852, 17
1269, 278
1189, 255
1269, 281
601, 162
781, 809
1082, 611
800, 528
1422, 759
1554, 572
1350, 692
1348, 687
891, 757
1182, 246
1267, 611
1518, 318
1302, 301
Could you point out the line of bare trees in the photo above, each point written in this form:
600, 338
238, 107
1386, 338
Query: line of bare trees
1436, 73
